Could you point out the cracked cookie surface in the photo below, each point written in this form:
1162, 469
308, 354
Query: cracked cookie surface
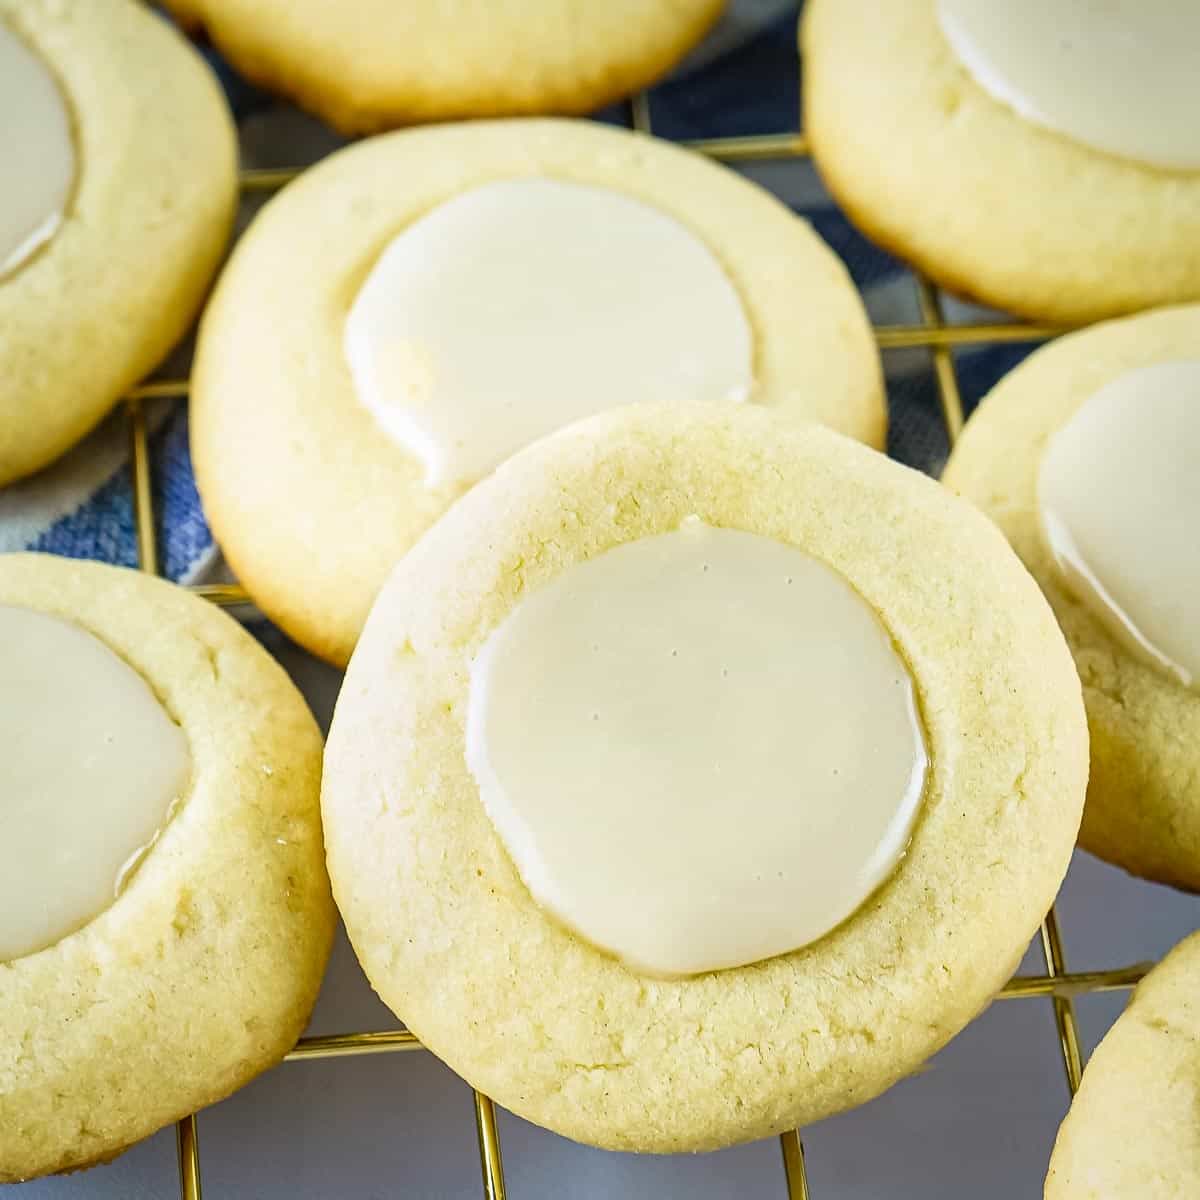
990, 205
202, 973
1132, 1129
103, 301
1143, 805
567, 1036
366, 65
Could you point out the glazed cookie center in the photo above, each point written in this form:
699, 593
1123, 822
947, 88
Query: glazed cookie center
522, 305
701, 749
1121, 76
36, 150
1119, 498
90, 769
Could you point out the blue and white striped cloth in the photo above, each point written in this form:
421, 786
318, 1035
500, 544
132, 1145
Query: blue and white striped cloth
743, 80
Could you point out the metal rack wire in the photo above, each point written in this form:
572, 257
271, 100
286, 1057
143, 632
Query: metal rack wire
934, 334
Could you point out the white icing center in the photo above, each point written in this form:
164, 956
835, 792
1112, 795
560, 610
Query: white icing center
90, 765
1122, 76
520, 306
701, 749
1119, 493
37, 152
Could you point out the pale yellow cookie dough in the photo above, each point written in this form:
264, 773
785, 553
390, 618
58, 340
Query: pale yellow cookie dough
117, 285
1143, 809
565, 1035
311, 501
366, 65
202, 973
986, 203
1132, 1132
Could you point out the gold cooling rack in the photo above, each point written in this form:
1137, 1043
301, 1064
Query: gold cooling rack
933, 333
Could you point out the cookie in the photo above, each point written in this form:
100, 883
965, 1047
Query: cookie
1132, 1128
421, 304
1052, 170
569, 1012
168, 945
128, 161
367, 65
1143, 812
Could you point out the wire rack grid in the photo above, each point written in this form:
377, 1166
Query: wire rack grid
934, 334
